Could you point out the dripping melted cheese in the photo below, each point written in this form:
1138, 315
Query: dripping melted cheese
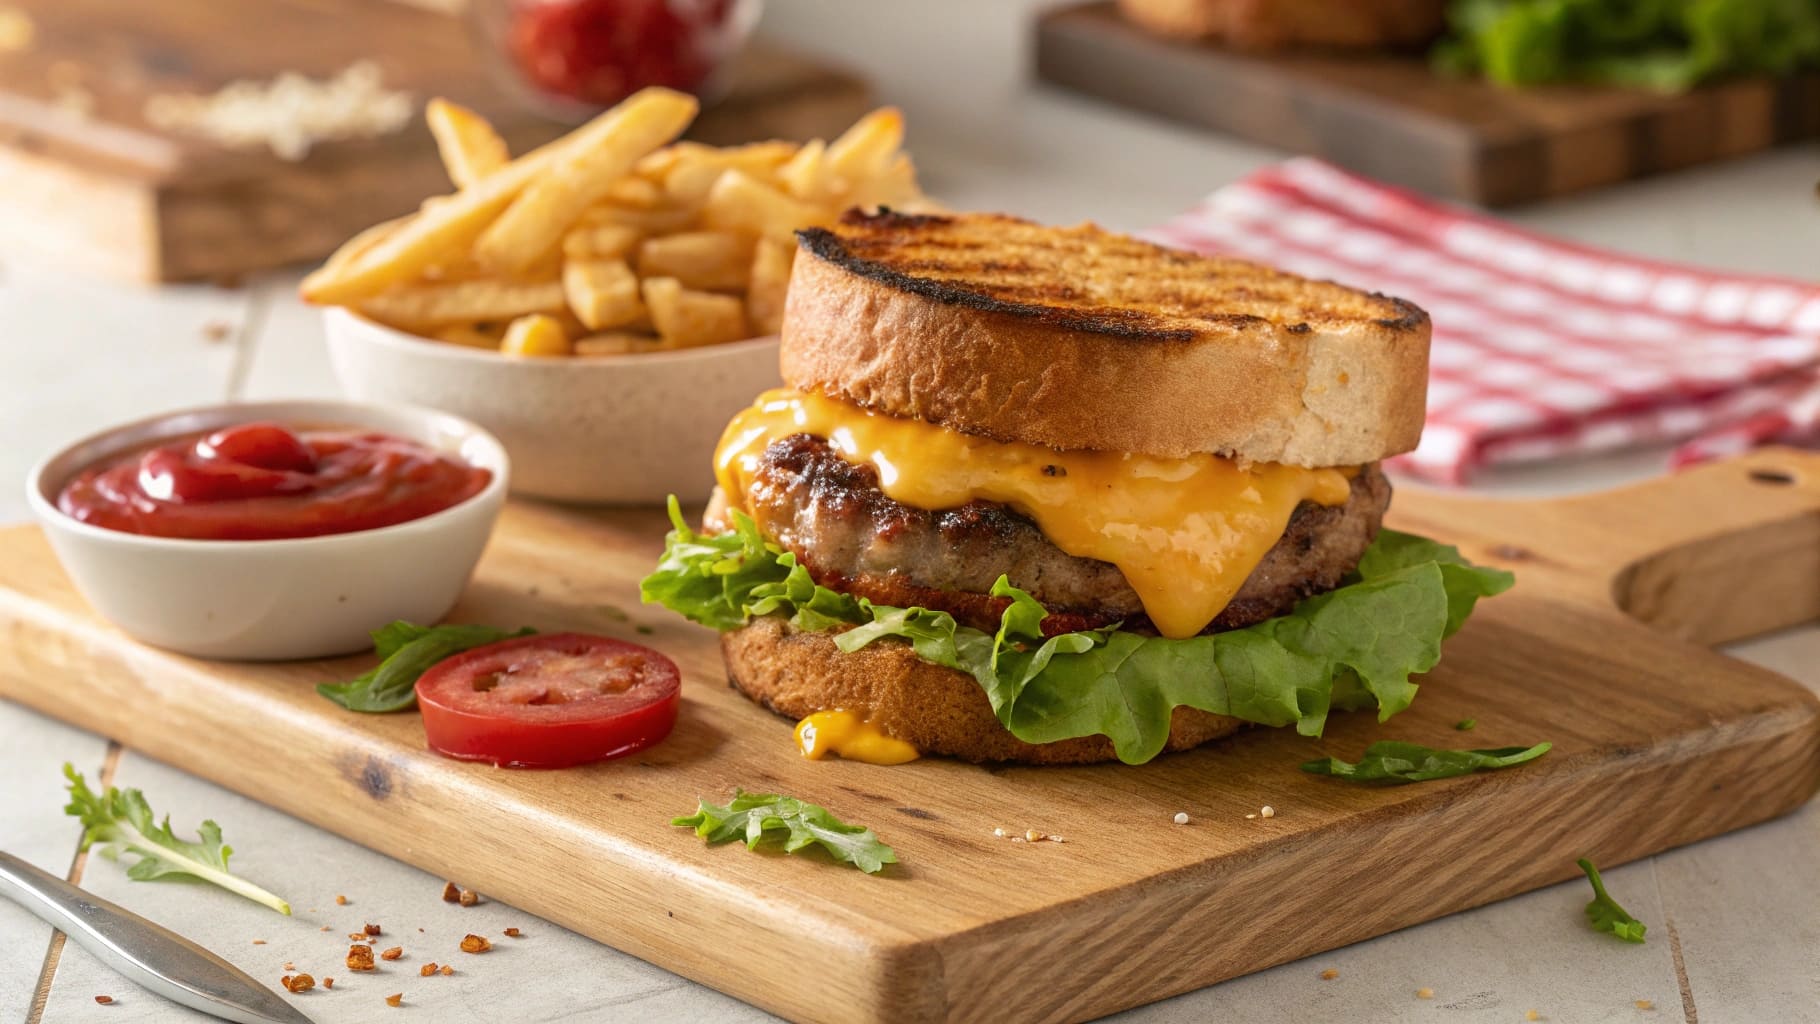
1185, 532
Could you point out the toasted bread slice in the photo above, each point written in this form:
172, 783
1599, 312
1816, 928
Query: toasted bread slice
1078, 338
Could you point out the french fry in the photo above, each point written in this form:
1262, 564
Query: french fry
686, 319
696, 167
895, 187
446, 225
616, 343
807, 175
867, 148
600, 241
705, 260
535, 220
634, 192
602, 293
469, 147
468, 336
434, 305
770, 280
740, 202
658, 220
537, 336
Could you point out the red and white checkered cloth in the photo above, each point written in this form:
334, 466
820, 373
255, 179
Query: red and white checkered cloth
1542, 348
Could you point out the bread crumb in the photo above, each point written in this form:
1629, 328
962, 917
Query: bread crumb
999, 832
451, 892
328, 983
394, 999
258, 942
372, 929
1531, 1015
468, 898
297, 983
392, 954
1250, 816
471, 943
1645, 1004
360, 957
1425, 993
1032, 835
427, 969
1329, 974
1181, 817
1267, 811
104, 1000
290, 965
341, 901
216, 331
446, 970
513, 933
325, 927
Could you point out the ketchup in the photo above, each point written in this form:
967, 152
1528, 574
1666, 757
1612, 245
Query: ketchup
263, 481
601, 51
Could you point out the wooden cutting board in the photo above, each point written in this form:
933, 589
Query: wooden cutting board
107, 192
1392, 118
1658, 742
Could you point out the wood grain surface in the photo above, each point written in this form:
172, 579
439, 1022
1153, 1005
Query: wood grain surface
107, 192
1389, 116
1658, 742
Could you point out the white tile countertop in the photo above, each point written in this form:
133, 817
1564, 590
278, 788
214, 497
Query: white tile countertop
1734, 922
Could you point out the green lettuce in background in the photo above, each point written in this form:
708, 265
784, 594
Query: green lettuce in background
1659, 44
1350, 648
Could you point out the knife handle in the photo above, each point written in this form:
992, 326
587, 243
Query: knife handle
148, 954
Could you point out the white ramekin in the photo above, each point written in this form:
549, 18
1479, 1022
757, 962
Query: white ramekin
274, 599
610, 430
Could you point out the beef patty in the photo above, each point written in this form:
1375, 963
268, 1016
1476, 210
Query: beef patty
851, 537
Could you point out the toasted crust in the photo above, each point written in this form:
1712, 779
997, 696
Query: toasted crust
935, 709
1077, 338
1276, 24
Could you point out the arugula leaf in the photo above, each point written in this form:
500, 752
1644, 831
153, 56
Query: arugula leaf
1351, 648
1604, 912
406, 651
1396, 762
122, 822
758, 816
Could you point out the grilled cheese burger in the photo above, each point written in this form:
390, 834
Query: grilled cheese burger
1005, 450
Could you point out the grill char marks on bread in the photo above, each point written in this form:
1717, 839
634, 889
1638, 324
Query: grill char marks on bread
1077, 338
851, 537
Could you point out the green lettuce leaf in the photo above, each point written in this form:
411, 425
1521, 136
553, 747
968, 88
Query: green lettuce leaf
756, 817
1604, 912
1392, 761
406, 651
1349, 649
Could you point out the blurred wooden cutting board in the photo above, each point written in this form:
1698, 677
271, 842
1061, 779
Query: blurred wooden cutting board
90, 183
1390, 117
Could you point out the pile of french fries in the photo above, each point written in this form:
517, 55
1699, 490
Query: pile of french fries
613, 239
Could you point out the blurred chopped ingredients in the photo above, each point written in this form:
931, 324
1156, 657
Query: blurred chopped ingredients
289, 114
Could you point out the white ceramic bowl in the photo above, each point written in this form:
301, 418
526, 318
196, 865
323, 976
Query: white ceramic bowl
609, 430
268, 600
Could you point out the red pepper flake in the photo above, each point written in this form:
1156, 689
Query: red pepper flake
104, 1000
475, 944
394, 999
372, 929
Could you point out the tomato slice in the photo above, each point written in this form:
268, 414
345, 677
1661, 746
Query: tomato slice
549, 701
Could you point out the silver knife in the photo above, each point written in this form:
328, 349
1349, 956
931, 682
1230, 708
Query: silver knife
150, 955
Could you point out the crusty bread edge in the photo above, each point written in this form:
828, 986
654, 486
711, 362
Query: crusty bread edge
1336, 394
935, 709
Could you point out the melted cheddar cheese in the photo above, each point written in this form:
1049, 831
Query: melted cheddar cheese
849, 735
1185, 532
